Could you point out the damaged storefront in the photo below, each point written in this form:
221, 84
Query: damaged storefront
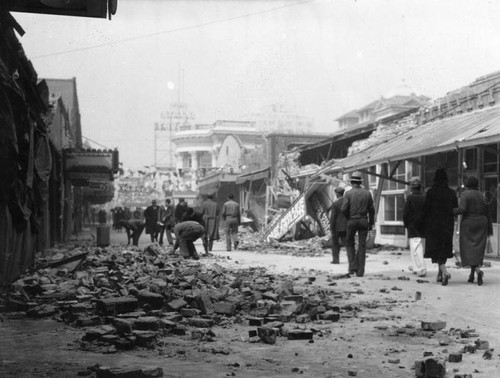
461, 135
24, 154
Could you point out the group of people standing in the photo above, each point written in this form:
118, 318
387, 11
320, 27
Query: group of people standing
429, 219
189, 225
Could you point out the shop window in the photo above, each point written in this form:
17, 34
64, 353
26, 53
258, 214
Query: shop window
448, 161
490, 194
490, 159
392, 230
470, 158
394, 205
372, 179
398, 175
415, 169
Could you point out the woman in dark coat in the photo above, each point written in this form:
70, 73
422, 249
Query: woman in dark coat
474, 228
439, 223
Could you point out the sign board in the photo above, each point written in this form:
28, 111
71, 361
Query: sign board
96, 185
81, 8
287, 220
88, 161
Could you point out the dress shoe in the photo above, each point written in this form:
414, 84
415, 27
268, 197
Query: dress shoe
439, 277
446, 277
480, 275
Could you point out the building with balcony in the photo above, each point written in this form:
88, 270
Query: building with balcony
200, 146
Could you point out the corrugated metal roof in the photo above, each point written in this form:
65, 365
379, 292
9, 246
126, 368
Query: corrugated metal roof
466, 130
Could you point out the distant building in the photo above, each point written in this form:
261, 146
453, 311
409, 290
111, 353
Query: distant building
381, 109
178, 115
200, 146
279, 118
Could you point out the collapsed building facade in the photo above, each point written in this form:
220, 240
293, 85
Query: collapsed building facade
459, 132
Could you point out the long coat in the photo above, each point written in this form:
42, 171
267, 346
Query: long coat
474, 227
152, 217
210, 211
439, 222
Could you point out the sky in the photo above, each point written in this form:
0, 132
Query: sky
228, 58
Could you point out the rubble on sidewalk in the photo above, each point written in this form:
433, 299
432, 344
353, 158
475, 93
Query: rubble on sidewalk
133, 297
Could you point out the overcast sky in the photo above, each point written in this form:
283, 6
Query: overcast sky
320, 57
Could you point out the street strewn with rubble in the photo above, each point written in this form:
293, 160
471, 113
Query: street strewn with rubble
265, 310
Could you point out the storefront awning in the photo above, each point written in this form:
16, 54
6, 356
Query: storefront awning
466, 130
254, 176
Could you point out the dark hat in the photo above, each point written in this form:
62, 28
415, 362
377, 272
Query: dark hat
440, 175
356, 177
415, 182
339, 190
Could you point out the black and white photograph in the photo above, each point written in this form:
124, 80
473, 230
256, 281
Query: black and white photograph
250, 188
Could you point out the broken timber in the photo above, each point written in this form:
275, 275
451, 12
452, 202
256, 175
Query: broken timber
287, 220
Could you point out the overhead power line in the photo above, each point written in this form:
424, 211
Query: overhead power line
176, 30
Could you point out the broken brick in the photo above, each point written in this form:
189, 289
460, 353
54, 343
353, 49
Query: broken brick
255, 321
116, 305
201, 322
176, 304
299, 334
225, 308
155, 300
455, 357
482, 344
146, 323
330, 315
433, 326
267, 335
430, 368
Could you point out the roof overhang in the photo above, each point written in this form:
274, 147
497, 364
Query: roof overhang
467, 130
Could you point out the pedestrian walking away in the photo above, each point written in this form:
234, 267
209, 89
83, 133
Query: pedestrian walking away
167, 219
338, 223
438, 223
232, 217
475, 227
358, 208
180, 209
152, 218
186, 233
411, 220
210, 212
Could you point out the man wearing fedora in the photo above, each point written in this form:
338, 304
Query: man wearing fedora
359, 211
337, 224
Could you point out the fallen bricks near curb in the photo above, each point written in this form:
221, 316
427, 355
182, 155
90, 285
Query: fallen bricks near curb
132, 297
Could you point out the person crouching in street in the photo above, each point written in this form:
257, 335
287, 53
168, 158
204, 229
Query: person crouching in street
411, 219
359, 210
338, 224
133, 228
192, 215
232, 217
186, 233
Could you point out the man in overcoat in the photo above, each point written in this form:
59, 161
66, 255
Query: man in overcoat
152, 217
210, 212
338, 224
